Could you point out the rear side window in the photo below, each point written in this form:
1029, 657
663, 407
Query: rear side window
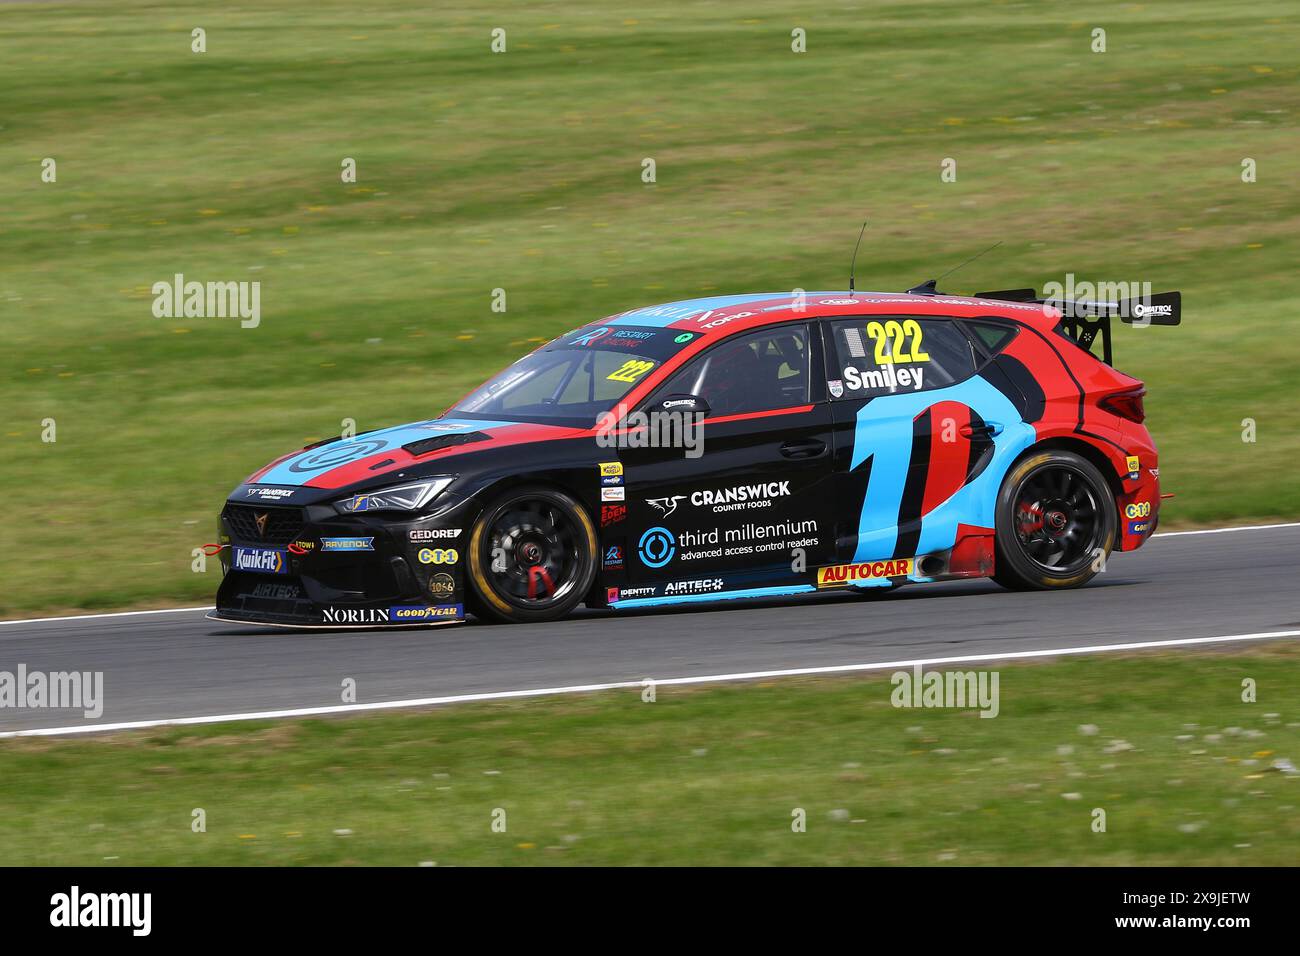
879, 356
991, 336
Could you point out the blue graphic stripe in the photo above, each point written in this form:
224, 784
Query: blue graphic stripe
716, 596
306, 465
661, 316
884, 433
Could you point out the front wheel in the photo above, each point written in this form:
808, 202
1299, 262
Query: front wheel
1055, 523
532, 555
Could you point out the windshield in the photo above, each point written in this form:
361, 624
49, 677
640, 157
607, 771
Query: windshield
575, 378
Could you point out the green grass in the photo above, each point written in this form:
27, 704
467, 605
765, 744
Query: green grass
1181, 766
522, 171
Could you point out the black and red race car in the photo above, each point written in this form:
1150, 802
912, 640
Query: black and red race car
732, 447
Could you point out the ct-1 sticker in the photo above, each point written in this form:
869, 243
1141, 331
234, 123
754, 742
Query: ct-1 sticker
1139, 509
438, 555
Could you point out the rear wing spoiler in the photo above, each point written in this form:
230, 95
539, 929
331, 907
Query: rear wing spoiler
1085, 321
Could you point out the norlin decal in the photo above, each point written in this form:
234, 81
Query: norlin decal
355, 615
208, 300
75, 908
56, 690
959, 689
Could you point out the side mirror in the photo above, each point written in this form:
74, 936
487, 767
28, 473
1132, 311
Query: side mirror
683, 404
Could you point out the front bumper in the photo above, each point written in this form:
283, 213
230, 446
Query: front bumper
308, 566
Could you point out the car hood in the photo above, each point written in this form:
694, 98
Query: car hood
346, 461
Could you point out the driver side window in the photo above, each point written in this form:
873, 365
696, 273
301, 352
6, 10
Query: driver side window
759, 372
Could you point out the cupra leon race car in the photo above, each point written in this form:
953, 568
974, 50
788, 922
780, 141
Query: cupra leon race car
741, 446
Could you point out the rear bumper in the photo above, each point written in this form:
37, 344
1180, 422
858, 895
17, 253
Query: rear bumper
311, 567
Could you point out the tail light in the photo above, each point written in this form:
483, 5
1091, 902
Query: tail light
1127, 404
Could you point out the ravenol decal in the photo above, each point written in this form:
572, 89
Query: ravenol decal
347, 544
884, 433
840, 575
656, 547
263, 560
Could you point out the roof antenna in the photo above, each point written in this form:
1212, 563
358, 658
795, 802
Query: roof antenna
854, 264
967, 262
930, 286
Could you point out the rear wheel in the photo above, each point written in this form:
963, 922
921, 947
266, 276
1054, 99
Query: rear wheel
1055, 522
532, 555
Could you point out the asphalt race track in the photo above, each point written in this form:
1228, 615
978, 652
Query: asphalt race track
175, 665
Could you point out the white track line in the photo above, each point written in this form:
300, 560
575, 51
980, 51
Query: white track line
1248, 527
624, 685
87, 617
178, 610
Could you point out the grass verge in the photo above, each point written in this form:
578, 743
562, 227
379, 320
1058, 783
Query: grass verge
1163, 743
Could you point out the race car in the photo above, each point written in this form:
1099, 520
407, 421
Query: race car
738, 446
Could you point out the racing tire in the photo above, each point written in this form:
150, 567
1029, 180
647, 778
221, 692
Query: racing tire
1055, 518
532, 556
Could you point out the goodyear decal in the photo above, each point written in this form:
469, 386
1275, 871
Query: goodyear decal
842, 575
410, 614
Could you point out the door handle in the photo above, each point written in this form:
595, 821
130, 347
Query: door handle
803, 449
987, 430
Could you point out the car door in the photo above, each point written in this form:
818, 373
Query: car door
749, 505
913, 427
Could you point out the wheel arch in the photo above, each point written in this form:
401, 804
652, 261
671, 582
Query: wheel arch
1087, 451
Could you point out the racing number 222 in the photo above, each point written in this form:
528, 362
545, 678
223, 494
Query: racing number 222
630, 370
890, 341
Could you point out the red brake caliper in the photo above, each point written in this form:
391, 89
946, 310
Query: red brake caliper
535, 572
1030, 518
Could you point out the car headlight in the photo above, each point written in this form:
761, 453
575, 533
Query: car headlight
410, 497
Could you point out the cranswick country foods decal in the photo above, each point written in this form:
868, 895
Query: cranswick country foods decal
842, 574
